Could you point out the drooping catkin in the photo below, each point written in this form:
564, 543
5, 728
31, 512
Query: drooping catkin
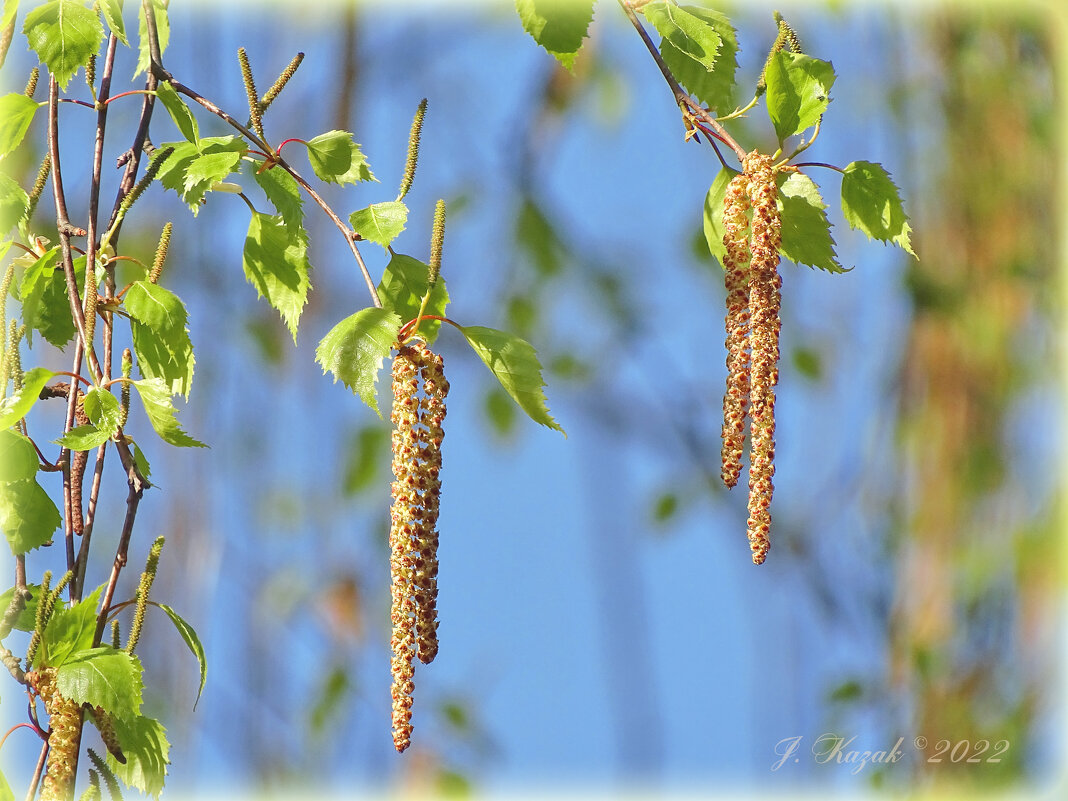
280, 83
65, 725
736, 276
764, 303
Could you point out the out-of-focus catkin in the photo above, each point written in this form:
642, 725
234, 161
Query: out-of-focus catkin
736, 273
65, 724
413, 537
764, 302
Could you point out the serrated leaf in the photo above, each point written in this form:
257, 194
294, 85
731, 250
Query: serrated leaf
690, 34
179, 111
283, 192
18, 405
63, 33
799, 91
336, 158
160, 337
45, 300
18, 459
402, 288
214, 159
102, 408
163, 31
70, 631
156, 398
140, 461
16, 114
515, 364
83, 438
144, 744
713, 218
870, 202
112, 11
380, 222
27, 618
14, 203
28, 516
189, 635
559, 26
207, 169
353, 351
806, 231
104, 677
276, 263
714, 88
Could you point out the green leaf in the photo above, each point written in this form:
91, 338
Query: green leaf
557, 25
336, 158
156, 397
283, 192
515, 364
6, 793
806, 231
160, 337
45, 300
353, 350
871, 202
799, 91
380, 222
27, 618
191, 171
189, 634
689, 33
179, 111
402, 288
102, 408
104, 677
27, 515
70, 631
112, 11
716, 88
276, 263
163, 29
16, 407
14, 203
18, 459
144, 744
140, 461
713, 220
83, 438
63, 33
16, 114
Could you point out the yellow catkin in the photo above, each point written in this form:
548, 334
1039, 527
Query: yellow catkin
65, 725
764, 303
736, 277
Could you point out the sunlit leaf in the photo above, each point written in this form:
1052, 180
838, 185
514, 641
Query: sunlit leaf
144, 744
276, 263
557, 25
179, 111
18, 405
14, 203
402, 289
156, 397
335, 157
16, 114
716, 88
799, 91
871, 202
63, 33
28, 516
353, 350
691, 34
69, 631
713, 219
160, 337
380, 222
189, 635
806, 231
104, 677
163, 30
18, 458
112, 11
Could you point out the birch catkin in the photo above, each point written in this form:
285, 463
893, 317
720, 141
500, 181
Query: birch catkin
736, 272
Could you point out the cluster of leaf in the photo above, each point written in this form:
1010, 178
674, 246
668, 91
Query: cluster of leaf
700, 46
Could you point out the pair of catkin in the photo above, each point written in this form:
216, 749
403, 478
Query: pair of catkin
752, 322
413, 535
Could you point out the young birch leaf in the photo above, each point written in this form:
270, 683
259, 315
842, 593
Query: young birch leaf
336, 157
689, 33
45, 302
515, 364
163, 29
806, 231
713, 219
380, 222
276, 263
189, 634
63, 33
716, 88
353, 351
557, 25
799, 91
140, 461
27, 618
871, 202
83, 438
70, 630
191, 170
16, 114
18, 405
18, 459
27, 515
102, 409
144, 744
179, 111
14, 203
156, 398
283, 192
112, 11
103, 677
402, 289
160, 337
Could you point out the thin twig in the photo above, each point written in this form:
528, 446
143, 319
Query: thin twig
37, 773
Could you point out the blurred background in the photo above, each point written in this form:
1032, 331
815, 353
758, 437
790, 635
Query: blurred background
602, 627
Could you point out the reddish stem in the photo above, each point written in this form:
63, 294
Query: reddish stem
126, 94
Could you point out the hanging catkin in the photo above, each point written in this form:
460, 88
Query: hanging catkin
736, 272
